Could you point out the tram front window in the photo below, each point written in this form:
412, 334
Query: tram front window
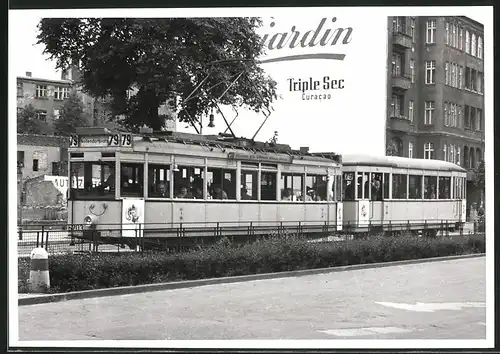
132, 180
92, 180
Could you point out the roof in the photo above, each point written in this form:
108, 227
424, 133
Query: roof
48, 81
399, 162
42, 140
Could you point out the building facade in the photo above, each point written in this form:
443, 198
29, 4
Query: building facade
436, 90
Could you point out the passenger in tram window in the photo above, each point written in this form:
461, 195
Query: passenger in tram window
286, 194
219, 193
197, 193
376, 190
244, 194
161, 190
309, 195
184, 193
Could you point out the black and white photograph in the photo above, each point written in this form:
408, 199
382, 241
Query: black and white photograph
251, 178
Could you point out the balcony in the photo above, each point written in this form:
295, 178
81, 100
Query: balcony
401, 124
474, 134
402, 40
401, 82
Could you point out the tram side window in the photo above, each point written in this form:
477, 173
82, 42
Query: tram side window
386, 186
415, 186
316, 188
338, 187
399, 186
291, 186
348, 185
132, 179
267, 185
430, 184
376, 185
92, 179
444, 187
249, 185
221, 183
159, 181
188, 182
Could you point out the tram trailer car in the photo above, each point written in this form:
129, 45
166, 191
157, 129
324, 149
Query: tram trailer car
390, 194
175, 185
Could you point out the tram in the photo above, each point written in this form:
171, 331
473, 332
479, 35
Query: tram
390, 193
159, 186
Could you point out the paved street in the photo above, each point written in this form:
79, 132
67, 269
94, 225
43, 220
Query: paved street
438, 300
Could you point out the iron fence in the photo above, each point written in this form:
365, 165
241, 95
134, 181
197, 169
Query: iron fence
58, 238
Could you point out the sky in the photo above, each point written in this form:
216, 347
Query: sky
342, 113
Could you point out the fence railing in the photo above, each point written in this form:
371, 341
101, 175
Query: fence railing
61, 238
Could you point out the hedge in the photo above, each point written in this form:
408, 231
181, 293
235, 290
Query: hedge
70, 272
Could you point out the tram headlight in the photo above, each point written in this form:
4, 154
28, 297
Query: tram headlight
88, 220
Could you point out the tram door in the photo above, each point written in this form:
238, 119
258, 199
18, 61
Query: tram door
376, 193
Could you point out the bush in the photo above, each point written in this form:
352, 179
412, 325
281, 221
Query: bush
71, 272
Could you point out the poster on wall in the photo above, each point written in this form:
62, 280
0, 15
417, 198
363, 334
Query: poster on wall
132, 217
330, 72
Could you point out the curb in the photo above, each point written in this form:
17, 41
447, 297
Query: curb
33, 299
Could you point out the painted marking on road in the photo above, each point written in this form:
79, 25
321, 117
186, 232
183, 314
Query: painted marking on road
432, 307
364, 331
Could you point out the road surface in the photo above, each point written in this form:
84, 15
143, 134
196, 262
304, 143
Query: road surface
437, 300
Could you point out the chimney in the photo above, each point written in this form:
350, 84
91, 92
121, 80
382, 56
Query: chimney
28, 73
304, 149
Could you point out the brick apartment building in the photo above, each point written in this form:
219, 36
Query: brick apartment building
436, 90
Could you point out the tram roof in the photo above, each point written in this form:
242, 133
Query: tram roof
220, 140
400, 162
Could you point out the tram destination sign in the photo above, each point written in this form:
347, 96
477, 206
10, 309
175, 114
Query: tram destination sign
116, 140
260, 157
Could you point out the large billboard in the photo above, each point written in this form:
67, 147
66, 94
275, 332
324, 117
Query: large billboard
331, 80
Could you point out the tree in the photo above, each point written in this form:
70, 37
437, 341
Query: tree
71, 115
28, 121
163, 61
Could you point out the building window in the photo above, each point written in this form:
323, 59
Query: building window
56, 114
397, 109
459, 120
428, 151
41, 115
430, 71
41, 91
473, 79
20, 90
480, 47
446, 114
455, 37
35, 165
447, 33
429, 112
453, 75
61, 93
412, 70
479, 83
412, 29
445, 153
461, 39
431, 32
446, 73
479, 119
20, 159
467, 42
473, 45
466, 117
460, 77
410, 150
458, 155
399, 24
397, 64
411, 110
451, 153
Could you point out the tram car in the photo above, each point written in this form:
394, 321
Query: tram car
153, 188
390, 194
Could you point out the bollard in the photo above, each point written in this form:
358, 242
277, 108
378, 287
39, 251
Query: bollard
39, 271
